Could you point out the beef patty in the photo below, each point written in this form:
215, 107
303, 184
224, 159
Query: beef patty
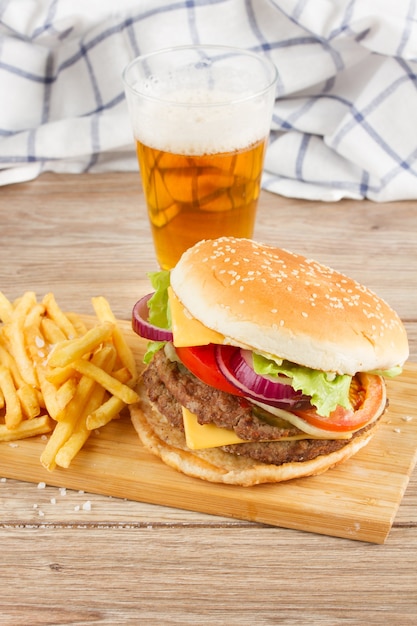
170, 386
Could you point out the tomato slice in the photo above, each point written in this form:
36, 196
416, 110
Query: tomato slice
367, 392
201, 362
367, 396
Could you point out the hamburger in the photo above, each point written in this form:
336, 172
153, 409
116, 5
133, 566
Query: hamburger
262, 365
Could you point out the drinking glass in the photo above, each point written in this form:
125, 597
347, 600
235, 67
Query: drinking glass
201, 117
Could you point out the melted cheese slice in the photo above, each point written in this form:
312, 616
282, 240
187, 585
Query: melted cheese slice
186, 330
200, 436
204, 436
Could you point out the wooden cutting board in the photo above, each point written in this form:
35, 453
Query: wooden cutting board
357, 500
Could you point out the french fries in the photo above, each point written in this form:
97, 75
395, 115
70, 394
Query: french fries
59, 377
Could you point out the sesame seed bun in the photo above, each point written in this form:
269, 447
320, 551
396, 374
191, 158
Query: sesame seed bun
280, 303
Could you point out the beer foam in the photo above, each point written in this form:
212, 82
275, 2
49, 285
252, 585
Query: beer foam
201, 122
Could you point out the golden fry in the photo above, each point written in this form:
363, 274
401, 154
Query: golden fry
105, 314
66, 352
72, 446
67, 422
32, 334
34, 316
66, 392
81, 433
123, 375
13, 415
108, 411
6, 308
54, 402
59, 375
72, 414
29, 401
58, 316
60, 434
27, 428
105, 359
50, 361
51, 331
111, 384
8, 361
77, 322
14, 332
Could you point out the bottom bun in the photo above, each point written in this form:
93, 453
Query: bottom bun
215, 465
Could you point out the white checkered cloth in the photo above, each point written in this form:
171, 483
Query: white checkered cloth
345, 119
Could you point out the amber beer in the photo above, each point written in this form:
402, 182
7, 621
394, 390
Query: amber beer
201, 117
194, 197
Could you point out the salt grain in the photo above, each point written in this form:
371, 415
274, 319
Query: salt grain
41, 485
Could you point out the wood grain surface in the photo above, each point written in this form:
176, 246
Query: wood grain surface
72, 557
368, 488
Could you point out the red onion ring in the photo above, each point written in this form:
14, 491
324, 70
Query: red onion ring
233, 365
141, 325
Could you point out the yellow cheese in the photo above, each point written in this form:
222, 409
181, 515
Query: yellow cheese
186, 330
202, 436
199, 436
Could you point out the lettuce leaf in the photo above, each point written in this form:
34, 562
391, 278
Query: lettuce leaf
159, 310
327, 390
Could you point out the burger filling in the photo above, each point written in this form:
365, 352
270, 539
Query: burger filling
262, 435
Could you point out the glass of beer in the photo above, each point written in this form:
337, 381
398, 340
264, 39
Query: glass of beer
201, 117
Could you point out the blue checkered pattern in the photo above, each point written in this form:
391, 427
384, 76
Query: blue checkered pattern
345, 119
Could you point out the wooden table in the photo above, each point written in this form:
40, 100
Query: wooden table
69, 557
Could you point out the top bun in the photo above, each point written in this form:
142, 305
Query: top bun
280, 303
